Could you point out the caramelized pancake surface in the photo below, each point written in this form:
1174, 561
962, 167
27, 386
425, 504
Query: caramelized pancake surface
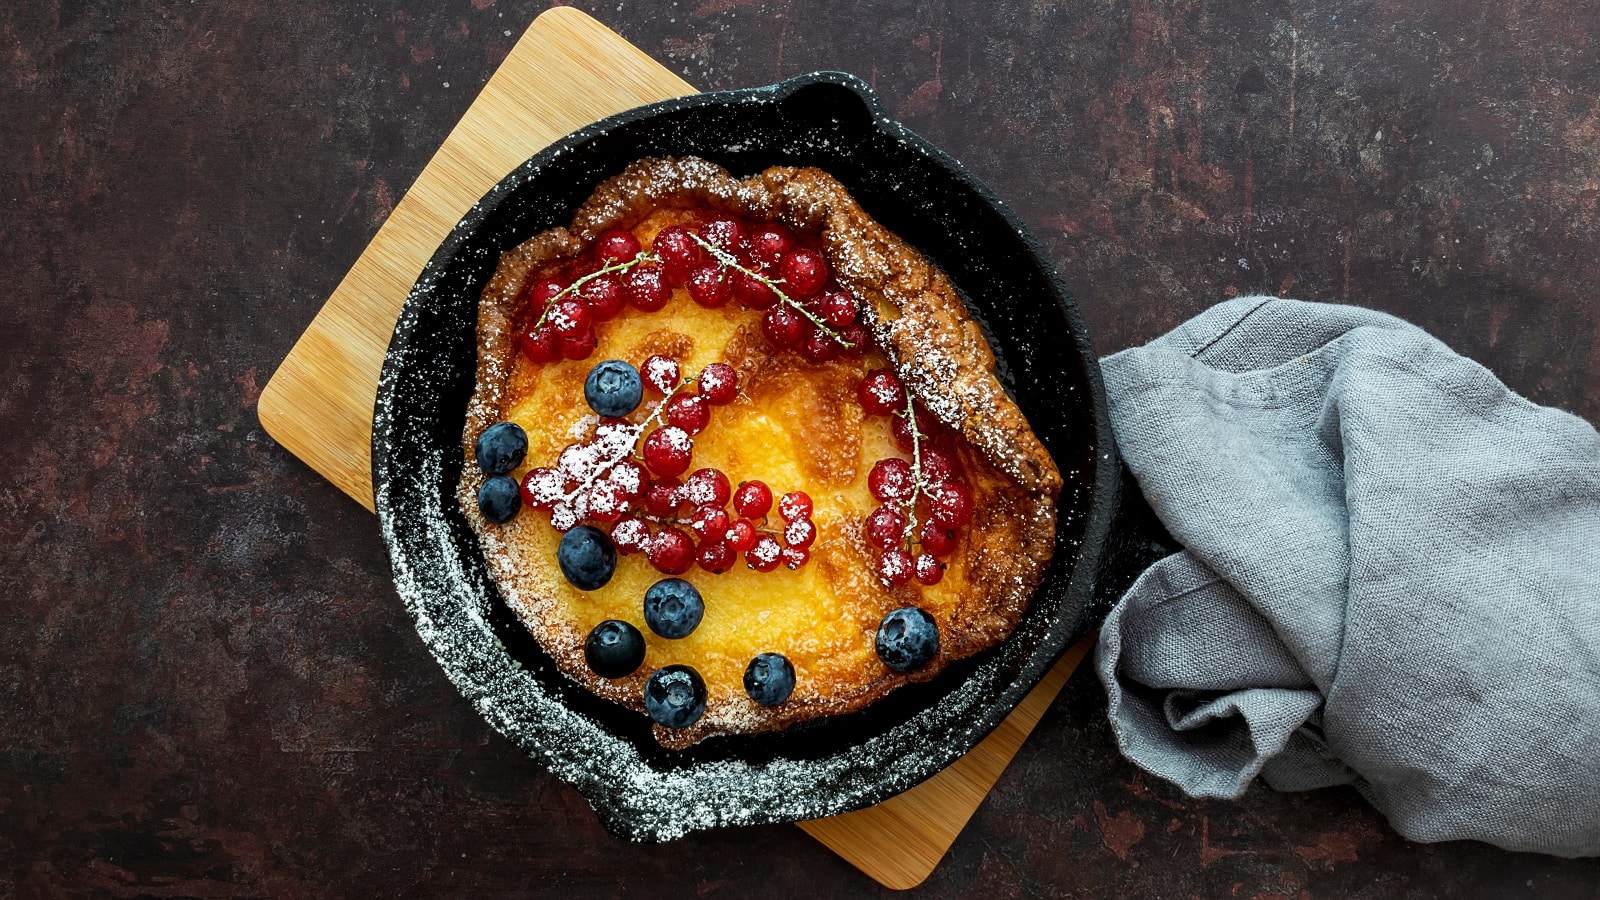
795, 425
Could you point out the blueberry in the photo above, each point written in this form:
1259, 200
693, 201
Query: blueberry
501, 447
673, 608
614, 649
769, 679
907, 639
675, 696
499, 498
613, 388
587, 557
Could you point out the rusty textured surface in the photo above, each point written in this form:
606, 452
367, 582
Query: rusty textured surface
210, 689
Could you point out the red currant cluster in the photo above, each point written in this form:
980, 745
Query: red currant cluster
927, 484
676, 522
563, 312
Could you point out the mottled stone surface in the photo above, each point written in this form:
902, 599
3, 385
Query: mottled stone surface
209, 686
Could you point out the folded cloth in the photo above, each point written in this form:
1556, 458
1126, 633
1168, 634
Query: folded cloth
1391, 576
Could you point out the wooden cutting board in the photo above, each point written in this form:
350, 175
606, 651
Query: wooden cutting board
566, 71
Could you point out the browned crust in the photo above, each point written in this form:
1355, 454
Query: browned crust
924, 329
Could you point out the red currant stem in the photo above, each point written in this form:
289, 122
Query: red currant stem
916, 469
642, 256
638, 430
726, 261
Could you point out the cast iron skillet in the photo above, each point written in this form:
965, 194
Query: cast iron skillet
820, 768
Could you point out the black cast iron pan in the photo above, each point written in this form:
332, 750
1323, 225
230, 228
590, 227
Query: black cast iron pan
821, 768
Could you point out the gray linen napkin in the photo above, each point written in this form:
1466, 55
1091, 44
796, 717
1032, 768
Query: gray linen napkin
1391, 576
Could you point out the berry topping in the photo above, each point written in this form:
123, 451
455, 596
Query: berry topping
604, 297
708, 287
630, 535
934, 432
817, 347
614, 246
715, 557
928, 569
673, 608
675, 696
795, 505
613, 388
646, 286
719, 384
795, 557
570, 318
804, 273
890, 480
765, 555
937, 539
938, 466
607, 502
769, 679
886, 527
741, 535
661, 373
894, 567
678, 251
908, 639
501, 448
576, 461
663, 498
723, 232
667, 450
540, 346
671, 551
710, 522
499, 498
769, 244
800, 533
614, 649
579, 347
837, 308
881, 393
858, 337
587, 557
783, 327
707, 487
630, 477
564, 517
951, 504
753, 499
543, 488
690, 412
750, 291
540, 292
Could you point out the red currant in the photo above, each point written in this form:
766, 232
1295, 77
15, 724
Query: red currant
614, 246
719, 384
753, 499
934, 432
769, 244
631, 534
708, 287
817, 347
804, 273
715, 557
581, 346
606, 502
890, 480
678, 251
741, 535
886, 527
540, 346
661, 373
723, 232
837, 308
706, 486
569, 318
795, 557
710, 522
800, 533
604, 296
690, 412
937, 539
667, 450
937, 466
540, 292
795, 505
783, 327
663, 498
543, 488
951, 504
576, 462
647, 287
881, 393
671, 551
894, 567
750, 291
858, 337
927, 569
630, 477
765, 555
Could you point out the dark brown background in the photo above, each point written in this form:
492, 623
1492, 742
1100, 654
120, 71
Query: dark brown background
209, 687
